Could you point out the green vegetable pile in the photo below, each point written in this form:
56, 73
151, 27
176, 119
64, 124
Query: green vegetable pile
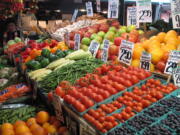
70, 72
14, 114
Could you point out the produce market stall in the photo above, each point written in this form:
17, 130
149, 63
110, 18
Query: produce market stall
92, 75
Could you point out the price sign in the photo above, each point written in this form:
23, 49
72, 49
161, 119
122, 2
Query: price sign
131, 16
104, 56
74, 15
175, 11
77, 38
145, 61
89, 8
113, 9
144, 11
98, 5
66, 37
172, 63
93, 48
125, 52
58, 107
176, 76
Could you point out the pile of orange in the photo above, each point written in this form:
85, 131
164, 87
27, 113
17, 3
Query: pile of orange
43, 124
159, 47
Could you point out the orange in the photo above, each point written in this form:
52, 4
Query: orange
19, 123
51, 129
156, 55
22, 129
146, 44
6, 126
152, 67
27, 133
61, 130
39, 131
137, 52
170, 34
45, 125
135, 63
161, 36
42, 117
31, 121
8, 132
34, 126
173, 41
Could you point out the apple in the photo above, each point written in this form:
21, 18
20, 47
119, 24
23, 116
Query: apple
86, 41
113, 29
125, 36
117, 41
93, 30
113, 50
87, 34
123, 27
115, 24
84, 47
71, 35
121, 31
109, 36
71, 44
117, 34
93, 36
111, 33
130, 28
141, 32
98, 39
101, 34
104, 27
81, 33
113, 57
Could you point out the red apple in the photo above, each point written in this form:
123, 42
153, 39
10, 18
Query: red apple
117, 41
161, 66
112, 57
133, 38
71, 35
115, 24
104, 27
113, 50
71, 44
125, 36
87, 34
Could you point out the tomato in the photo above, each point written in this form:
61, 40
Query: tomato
110, 118
134, 79
105, 94
125, 115
105, 68
50, 96
104, 79
103, 106
141, 76
92, 95
73, 93
69, 99
88, 103
128, 109
101, 119
153, 100
118, 87
99, 126
95, 115
159, 95
117, 67
108, 110
80, 107
98, 98
115, 123
157, 82
148, 97
98, 71
137, 98
148, 74
127, 83
129, 103
99, 110
64, 84
138, 108
117, 104
145, 103
60, 92
103, 130
121, 80
120, 99
87, 117
102, 114
98, 83
108, 125
91, 86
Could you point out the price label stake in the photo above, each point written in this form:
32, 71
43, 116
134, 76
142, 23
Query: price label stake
176, 76
104, 56
172, 63
98, 5
93, 48
125, 52
77, 38
145, 61
175, 11
74, 15
144, 11
113, 9
89, 8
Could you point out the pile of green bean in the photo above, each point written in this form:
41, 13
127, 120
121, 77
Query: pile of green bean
69, 73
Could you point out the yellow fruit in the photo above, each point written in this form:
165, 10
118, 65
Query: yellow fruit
6, 126
8, 132
19, 123
42, 117
161, 36
152, 67
170, 34
173, 41
135, 63
39, 131
51, 129
146, 44
45, 125
156, 55
22, 129
31, 121
137, 52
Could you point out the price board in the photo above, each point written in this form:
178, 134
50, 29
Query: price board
131, 16
145, 61
98, 5
74, 15
144, 11
125, 52
176, 76
93, 48
113, 9
175, 11
104, 56
89, 8
172, 63
77, 38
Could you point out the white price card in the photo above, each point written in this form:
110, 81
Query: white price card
145, 61
176, 76
144, 11
172, 63
125, 52
89, 8
98, 5
132, 16
113, 9
74, 15
104, 56
175, 11
93, 48
77, 38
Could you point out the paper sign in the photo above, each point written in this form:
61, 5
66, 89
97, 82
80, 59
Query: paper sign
125, 52
145, 61
93, 48
74, 15
104, 56
176, 76
113, 9
132, 16
98, 5
175, 11
89, 8
144, 11
77, 38
172, 63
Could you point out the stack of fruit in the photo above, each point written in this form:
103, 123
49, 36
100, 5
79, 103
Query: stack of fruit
42, 124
